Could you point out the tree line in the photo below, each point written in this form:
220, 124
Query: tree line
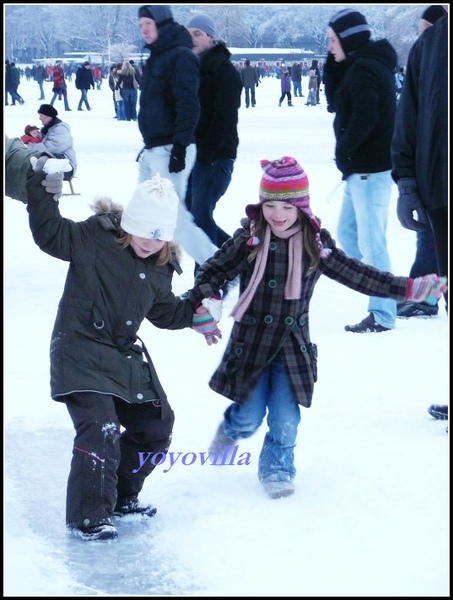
49, 30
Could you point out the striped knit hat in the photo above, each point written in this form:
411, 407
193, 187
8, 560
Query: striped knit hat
351, 28
286, 181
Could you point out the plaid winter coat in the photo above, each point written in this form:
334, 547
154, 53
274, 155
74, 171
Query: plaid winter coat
272, 325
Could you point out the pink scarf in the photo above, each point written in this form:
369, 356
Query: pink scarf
293, 281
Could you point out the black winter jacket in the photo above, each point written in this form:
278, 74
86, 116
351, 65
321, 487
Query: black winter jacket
108, 293
420, 141
84, 79
169, 105
362, 94
220, 99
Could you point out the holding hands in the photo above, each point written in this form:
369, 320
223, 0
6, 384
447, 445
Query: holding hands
203, 322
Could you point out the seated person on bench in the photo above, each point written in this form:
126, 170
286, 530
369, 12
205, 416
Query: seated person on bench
57, 137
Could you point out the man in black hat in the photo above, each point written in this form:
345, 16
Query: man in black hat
57, 137
168, 115
216, 133
360, 89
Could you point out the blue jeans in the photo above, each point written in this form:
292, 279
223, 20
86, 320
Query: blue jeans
425, 256
83, 99
207, 184
65, 98
41, 90
273, 391
193, 240
297, 88
130, 104
362, 231
249, 93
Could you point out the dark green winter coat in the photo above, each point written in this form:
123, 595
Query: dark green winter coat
17, 165
273, 325
108, 293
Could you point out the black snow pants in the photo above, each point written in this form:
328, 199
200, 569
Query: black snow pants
105, 458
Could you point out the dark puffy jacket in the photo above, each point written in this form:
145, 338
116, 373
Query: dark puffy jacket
169, 105
84, 79
364, 102
420, 142
220, 98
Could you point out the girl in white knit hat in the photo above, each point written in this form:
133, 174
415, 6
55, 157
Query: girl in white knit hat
121, 264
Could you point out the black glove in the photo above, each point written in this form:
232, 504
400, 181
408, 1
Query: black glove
177, 158
408, 201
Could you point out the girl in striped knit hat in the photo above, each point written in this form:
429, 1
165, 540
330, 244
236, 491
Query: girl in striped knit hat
269, 365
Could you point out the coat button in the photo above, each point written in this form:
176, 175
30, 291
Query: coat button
301, 321
268, 319
289, 320
142, 275
139, 396
272, 283
273, 246
128, 323
303, 348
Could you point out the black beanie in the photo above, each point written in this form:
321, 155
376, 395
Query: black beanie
433, 12
48, 110
351, 28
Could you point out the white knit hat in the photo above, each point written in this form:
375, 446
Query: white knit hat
153, 210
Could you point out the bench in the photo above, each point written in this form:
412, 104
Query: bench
69, 179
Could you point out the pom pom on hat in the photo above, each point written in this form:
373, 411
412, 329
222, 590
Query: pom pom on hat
153, 210
203, 22
433, 13
351, 28
48, 110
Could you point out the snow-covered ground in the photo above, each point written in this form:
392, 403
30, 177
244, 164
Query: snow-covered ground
370, 516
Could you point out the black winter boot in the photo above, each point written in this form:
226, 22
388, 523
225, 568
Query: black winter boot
131, 505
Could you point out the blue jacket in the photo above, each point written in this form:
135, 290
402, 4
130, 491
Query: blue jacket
169, 105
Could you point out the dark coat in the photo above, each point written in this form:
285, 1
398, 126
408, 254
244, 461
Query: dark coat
220, 99
420, 141
169, 105
109, 291
84, 79
273, 325
364, 102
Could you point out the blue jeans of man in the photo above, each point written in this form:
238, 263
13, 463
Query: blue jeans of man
83, 100
249, 94
273, 392
193, 240
362, 231
207, 184
41, 90
297, 88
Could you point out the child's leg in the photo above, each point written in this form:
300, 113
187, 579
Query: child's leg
276, 462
